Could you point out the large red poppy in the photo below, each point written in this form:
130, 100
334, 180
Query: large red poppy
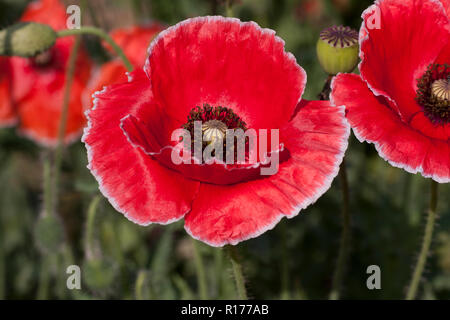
396, 103
38, 84
7, 112
134, 42
221, 62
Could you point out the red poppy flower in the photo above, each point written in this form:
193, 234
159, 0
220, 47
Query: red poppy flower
134, 42
7, 113
38, 83
400, 102
223, 71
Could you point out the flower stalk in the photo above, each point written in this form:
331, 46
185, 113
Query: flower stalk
237, 272
103, 35
345, 236
200, 269
426, 243
344, 246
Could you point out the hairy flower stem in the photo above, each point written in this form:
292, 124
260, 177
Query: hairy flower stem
345, 236
285, 292
426, 243
325, 93
103, 35
2, 271
200, 269
229, 8
70, 71
90, 248
44, 279
237, 272
140, 284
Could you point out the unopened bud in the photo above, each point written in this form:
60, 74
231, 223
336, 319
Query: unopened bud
26, 39
337, 49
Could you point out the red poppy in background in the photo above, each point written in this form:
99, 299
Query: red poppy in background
244, 69
134, 42
38, 83
401, 101
7, 113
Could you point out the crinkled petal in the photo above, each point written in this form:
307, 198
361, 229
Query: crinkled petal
225, 62
374, 120
135, 184
316, 139
411, 36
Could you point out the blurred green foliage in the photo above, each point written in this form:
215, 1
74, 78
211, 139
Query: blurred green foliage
127, 261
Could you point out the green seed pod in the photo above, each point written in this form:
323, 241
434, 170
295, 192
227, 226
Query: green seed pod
99, 274
26, 39
49, 234
337, 49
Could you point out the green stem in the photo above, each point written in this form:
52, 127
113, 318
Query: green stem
285, 293
345, 237
237, 272
229, 8
103, 35
2, 271
54, 183
48, 191
89, 241
140, 284
201, 274
424, 252
218, 262
44, 279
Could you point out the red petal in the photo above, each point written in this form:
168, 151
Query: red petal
412, 34
374, 121
7, 113
147, 132
38, 90
40, 114
137, 186
135, 40
225, 62
316, 139
109, 73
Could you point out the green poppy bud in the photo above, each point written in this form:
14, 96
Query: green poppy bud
26, 39
99, 274
337, 49
49, 234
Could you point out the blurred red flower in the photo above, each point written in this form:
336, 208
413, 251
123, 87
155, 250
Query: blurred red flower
7, 113
221, 62
38, 84
134, 42
401, 101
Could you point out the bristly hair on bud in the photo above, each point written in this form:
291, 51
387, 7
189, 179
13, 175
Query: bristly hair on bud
337, 49
26, 39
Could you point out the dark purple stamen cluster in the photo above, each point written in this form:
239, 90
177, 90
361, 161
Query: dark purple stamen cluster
437, 110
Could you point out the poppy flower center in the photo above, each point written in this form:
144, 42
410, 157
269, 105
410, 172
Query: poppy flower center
215, 121
433, 93
214, 130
